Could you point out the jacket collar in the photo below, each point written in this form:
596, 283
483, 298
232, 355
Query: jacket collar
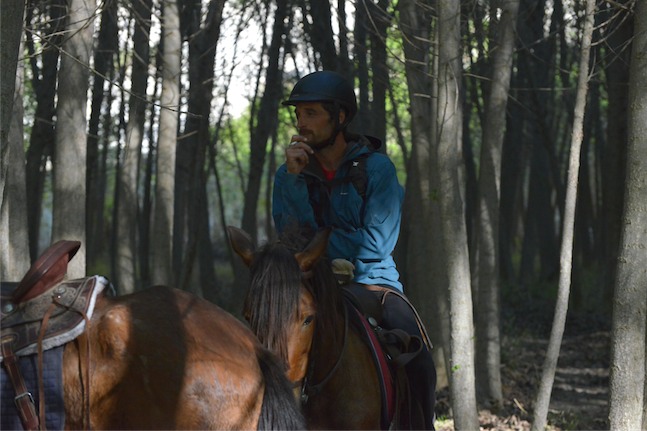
354, 148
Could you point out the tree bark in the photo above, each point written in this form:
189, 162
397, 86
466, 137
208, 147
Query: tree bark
614, 160
41, 141
454, 234
203, 41
69, 184
162, 240
539, 239
128, 180
267, 123
267, 119
420, 260
14, 242
107, 46
320, 31
488, 337
381, 23
627, 404
566, 256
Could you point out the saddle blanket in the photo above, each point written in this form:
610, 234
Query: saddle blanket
53, 388
76, 300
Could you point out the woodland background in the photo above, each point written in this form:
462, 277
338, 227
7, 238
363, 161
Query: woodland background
142, 128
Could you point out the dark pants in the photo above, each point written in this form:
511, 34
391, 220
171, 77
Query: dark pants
421, 371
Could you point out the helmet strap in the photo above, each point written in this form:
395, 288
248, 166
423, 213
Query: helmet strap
338, 127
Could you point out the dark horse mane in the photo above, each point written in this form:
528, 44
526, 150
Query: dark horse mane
273, 295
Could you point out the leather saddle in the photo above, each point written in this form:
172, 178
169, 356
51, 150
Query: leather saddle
392, 348
25, 304
39, 313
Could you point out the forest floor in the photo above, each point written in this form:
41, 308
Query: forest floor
579, 399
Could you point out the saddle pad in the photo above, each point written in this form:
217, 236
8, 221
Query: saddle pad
53, 389
74, 297
379, 356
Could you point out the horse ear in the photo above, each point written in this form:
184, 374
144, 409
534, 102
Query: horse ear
313, 251
242, 244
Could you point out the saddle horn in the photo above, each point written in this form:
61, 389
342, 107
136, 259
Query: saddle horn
49, 269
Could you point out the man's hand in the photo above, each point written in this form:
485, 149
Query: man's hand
297, 154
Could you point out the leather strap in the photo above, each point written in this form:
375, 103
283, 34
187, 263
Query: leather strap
24, 400
41, 379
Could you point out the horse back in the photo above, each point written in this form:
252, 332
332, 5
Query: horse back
164, 359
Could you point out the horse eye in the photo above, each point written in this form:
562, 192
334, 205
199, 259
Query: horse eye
308, 320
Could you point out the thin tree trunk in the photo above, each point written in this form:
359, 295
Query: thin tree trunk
566, 256
380, 22
14, 239
488, 337
540, 239
420, 259
454, 233
41, 141
613, 163
107, 45
162, 239
363, 118
71, 132
320, 31
202, 50
128, 180
628, 406
267, 120
145, 219
11, 13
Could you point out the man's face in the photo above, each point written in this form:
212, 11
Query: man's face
314, 123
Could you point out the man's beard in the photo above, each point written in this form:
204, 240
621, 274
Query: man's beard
315, 144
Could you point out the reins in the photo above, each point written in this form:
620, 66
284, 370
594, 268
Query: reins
308, 390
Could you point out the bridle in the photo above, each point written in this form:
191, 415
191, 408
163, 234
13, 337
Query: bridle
307, 389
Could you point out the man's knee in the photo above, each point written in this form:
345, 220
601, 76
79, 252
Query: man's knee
397, 314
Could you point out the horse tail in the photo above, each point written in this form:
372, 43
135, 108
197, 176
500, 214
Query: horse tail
279, 410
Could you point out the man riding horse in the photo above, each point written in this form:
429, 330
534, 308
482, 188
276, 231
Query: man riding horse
334, 178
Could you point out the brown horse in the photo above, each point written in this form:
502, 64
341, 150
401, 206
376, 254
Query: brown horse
296, 309
160, 358
165, 359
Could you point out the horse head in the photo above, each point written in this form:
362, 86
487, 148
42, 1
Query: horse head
280, 303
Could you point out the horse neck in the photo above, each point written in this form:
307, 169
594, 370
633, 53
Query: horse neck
331, 338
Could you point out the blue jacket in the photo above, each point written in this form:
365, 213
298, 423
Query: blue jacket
365, 229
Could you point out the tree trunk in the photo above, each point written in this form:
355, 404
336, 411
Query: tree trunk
267, 120
203, 41
628, 407
162, 240
41, 141
320, 31
146, 219
566, 255
71, 132
614, 160
107, 45
14, 239
360, 52
420, 259
540, 239
454, 234
488, 337
378, 36
128, 180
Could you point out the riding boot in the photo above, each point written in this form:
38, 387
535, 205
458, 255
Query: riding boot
421, 371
